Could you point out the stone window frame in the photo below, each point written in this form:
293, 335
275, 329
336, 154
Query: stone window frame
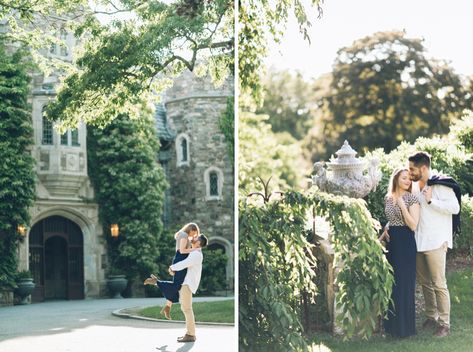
62, 49
67, 139
207, 173
229, 251
180, 160
213, 184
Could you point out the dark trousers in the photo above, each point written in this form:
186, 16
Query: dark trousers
170, 289
401, 255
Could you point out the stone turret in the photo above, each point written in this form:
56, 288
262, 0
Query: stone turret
198, 166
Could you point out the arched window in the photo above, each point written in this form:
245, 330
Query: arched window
224, 245
213, 179
47, 130
183, 149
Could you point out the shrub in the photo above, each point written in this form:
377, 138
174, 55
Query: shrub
213, 272
448, 157
463, 130
464, 240
24, 274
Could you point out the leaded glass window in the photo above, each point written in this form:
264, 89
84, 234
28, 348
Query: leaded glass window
75, 137
47, 132
213, 176
64, 139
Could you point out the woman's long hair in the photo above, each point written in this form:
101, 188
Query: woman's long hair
187, 228
394, 181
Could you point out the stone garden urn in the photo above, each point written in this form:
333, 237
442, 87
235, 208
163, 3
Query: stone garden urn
116, 285
24, 289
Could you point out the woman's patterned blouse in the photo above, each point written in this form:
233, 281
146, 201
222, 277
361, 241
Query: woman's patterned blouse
393, 211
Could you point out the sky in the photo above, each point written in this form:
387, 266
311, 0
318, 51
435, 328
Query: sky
446, 26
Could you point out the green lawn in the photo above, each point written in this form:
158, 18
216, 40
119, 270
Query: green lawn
215, 312
461, 338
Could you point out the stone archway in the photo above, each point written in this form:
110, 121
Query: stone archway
217, 242
85, 216
56, 259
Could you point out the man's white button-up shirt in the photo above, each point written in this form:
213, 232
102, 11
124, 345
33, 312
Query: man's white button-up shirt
435, 221
193, 263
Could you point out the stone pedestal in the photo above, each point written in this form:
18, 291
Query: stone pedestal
344, 177
325, 252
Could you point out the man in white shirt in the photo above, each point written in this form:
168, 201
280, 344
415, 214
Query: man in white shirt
433, 236
193, 263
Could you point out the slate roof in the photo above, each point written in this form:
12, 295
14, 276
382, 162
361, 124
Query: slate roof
164, 130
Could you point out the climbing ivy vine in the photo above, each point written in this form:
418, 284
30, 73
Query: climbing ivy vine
129, 188
364, 279
17, 177
277, 266
227, 126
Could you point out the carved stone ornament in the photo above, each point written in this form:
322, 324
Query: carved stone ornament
344, 175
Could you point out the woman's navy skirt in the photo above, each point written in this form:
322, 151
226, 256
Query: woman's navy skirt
170, 289
401, 255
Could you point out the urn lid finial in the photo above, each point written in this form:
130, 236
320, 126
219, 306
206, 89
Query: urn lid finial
346, 156
346, 149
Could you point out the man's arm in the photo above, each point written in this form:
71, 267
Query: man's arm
448, 203
193, 259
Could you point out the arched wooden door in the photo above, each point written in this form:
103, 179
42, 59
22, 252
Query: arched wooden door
56, 255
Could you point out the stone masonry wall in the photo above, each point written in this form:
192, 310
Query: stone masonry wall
198, 118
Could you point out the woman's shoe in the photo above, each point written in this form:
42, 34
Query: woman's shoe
166, 311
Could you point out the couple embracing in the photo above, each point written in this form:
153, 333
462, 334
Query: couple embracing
422, 210
186, 270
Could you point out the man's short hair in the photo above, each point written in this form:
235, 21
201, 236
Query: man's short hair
420, 158
203, 241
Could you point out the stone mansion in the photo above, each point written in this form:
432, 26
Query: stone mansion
65, 247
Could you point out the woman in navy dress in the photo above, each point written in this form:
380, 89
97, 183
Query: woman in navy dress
402, 211
170, 289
